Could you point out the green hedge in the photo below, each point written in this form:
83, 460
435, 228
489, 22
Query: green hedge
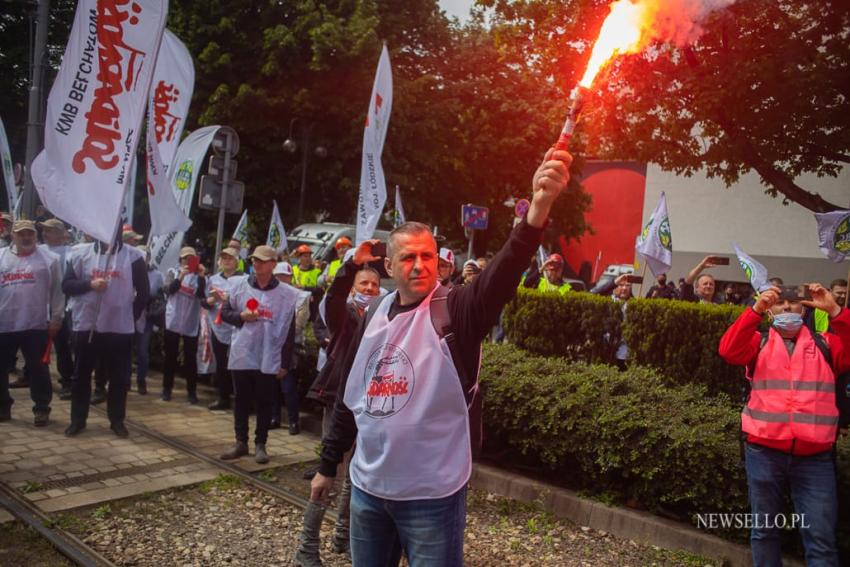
626, 434
573, 326
678, 338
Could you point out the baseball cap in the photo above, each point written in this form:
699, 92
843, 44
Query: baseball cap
473, 264
229, 251
187, 251
446, 255
20, 225
53, 223
264, 253
282, 269
555, 258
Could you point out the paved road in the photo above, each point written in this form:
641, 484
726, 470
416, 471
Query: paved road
60, 473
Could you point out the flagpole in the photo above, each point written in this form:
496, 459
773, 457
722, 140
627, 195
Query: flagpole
846, 294
642, 276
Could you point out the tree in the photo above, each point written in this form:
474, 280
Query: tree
469, 125
463, 127
764, 88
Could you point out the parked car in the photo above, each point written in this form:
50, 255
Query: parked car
611, 273
321, 237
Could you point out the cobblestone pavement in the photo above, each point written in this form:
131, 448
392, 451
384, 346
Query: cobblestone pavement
59, 473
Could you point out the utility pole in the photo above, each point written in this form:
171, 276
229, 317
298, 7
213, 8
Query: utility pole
35, 116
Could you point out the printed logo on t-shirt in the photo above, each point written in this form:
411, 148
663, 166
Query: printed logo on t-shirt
389, 381
22, 276
107, 275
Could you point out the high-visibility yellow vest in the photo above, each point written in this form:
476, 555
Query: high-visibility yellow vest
305, 278
544, 285
333, 268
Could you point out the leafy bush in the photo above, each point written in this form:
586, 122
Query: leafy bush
623, 433
577, 326
677, 338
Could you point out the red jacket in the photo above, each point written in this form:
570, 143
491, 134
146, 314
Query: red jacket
740, 346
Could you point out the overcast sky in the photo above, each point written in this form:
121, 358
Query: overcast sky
459, 8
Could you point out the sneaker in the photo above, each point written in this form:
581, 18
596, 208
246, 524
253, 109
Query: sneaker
260, 455
192, 399
143, 390
165, 396
119, 430
20, 383
65, 393
219, 405
98, 397
74, 429
274, 424
5, 414
294, 429
41, 418
239, 449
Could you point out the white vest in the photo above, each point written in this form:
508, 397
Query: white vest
183, 310
25, 289
223, 331
113, 307
413, 437
256, 345
155, 283
61, 251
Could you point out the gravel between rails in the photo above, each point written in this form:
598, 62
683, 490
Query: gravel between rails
224, 522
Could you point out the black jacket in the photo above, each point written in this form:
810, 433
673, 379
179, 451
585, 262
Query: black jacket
342, 319
474, 310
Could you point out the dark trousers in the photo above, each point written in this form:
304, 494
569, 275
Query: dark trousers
252, 387
223, 380
190, 361
113, 351
143, 353
62, 346
32, 345
287, 388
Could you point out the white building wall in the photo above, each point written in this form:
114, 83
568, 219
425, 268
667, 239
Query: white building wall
705, 217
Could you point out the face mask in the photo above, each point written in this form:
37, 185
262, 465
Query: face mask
361, 300
789, 322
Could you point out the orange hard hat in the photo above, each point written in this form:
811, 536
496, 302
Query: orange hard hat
343, 241
303, 249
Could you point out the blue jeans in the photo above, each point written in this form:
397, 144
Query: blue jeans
429, 531
815, 496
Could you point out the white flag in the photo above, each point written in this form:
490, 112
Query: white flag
182, 179
95, 111
834, 234
168, 108
373, 187
655, 242
398, 218
8, 172
753, 269
241, 234
277, 234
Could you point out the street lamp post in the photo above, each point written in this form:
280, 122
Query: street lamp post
291, 146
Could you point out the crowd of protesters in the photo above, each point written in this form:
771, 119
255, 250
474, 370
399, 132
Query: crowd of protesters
398, 371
